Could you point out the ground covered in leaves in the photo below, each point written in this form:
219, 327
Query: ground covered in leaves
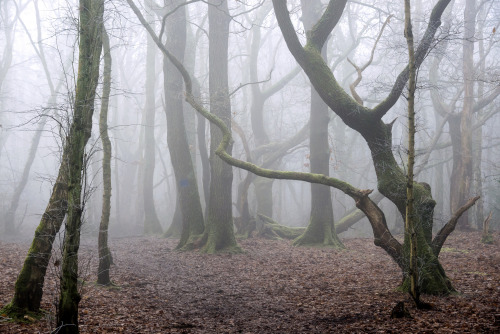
272, 287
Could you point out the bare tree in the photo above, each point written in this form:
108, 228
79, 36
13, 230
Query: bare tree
90, 47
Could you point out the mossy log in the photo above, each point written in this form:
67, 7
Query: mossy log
286, 232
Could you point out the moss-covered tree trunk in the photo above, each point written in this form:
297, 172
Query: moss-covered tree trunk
180, 153
90, 34
321, 229
219, 231
28, 289
103, 249
151, 222
368, 122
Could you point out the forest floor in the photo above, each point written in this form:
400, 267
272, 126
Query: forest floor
272, 287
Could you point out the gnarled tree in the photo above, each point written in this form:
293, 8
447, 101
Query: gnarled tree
368, 122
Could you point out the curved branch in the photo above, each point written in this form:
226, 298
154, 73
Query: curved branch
175, 61
319, 33
449, 227
383, 237
360, 70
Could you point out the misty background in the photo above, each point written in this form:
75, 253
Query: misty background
38, 67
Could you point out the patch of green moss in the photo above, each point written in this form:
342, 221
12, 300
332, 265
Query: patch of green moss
487, 239
14, 314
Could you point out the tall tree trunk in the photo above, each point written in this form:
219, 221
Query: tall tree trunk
263, 187
104, 253
321, 228
463, 174
219, 231
477, 143
90, 34
180, 153
205, 163
151, 221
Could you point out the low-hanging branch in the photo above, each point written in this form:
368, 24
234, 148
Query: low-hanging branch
227, 139
382, 236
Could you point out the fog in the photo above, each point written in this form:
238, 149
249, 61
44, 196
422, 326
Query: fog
218, 124
26, 93
25, 96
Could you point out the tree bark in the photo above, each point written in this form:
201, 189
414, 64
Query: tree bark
180, 153
411, 219
463, 171
219, 231
321, 228
151, 222
104, 252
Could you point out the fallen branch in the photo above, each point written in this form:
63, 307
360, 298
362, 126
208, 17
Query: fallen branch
282, 231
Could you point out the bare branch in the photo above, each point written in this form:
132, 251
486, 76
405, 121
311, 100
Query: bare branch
360, 70
449, 227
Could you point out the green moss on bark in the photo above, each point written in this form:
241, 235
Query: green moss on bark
15, 314
432, 277
319, 234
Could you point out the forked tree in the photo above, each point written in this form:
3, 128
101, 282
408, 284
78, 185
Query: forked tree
66, 193
377, 134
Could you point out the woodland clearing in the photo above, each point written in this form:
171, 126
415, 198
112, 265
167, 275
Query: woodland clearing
272, 287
